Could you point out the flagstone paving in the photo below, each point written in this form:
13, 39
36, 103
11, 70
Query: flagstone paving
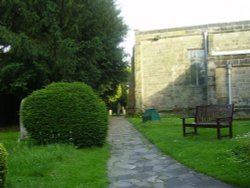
137, 163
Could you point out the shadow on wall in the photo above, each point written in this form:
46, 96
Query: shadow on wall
170, 71
176, 95
190, 88
178, 86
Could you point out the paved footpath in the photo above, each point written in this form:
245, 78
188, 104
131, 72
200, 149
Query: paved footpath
137, 163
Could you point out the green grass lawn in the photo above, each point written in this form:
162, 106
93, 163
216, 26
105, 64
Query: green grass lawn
54, 166
226, 159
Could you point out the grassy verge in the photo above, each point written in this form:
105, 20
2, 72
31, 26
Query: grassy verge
226, 159
54, 166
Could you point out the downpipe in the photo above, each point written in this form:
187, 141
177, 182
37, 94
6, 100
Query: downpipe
229, 73
205, 46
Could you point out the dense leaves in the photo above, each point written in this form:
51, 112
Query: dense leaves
66, 40
3, 165
66, 113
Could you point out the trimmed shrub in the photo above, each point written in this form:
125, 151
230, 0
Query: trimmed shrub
3, 165
66, 113
241, 152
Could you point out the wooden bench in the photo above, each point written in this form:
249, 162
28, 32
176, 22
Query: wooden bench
210, 116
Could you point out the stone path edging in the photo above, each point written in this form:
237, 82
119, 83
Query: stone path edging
137, 163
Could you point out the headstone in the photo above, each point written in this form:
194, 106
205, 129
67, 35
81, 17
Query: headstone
110, 112
118, 108
123, 111
23, 131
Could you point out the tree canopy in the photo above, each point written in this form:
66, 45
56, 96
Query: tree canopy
60, 40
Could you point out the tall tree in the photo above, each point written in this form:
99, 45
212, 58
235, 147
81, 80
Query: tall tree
60, 40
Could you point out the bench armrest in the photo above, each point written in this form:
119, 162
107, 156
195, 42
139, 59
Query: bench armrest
219, 119
184, 119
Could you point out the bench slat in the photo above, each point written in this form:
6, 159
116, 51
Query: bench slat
211, 116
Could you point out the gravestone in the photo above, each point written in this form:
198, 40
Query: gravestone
110, 112
123, 111
23, 131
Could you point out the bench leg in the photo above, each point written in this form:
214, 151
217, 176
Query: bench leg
230, 132
218, 133
184, 130
195, 130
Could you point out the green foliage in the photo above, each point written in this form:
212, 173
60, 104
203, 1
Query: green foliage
62, 41
241, 152
54, 41
117, 96
66, 113
21, 70
55, 165
120, 98
3, 165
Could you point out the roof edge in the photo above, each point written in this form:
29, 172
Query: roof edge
203, 26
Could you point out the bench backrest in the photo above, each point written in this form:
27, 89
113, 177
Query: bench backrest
209, 113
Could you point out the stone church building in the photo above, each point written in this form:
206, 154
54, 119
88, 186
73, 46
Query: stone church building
183, 67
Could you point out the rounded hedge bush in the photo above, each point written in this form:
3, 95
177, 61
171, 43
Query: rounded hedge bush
66, 113
3, 165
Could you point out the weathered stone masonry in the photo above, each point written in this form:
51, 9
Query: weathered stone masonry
184, 67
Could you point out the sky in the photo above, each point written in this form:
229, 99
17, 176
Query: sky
146, 15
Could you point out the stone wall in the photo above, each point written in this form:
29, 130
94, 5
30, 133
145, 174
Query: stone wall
173, 70
229, 45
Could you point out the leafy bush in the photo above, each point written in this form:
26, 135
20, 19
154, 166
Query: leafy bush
3, 165
65, 113
241, 152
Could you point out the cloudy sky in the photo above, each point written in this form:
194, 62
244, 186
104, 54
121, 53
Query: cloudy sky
160, 14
